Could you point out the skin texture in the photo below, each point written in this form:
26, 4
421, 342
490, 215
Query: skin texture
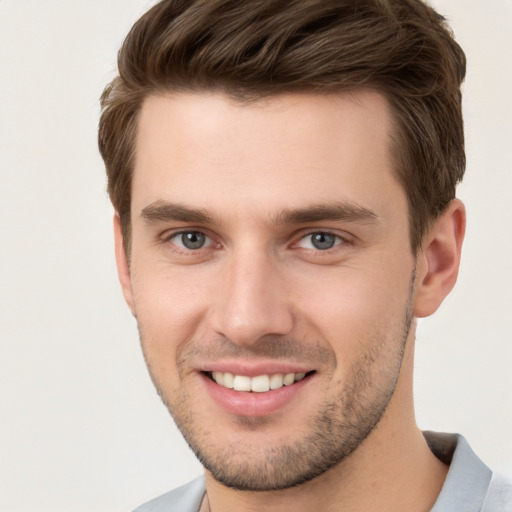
257, 181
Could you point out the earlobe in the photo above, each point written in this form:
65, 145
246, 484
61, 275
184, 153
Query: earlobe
123, 267
438, 260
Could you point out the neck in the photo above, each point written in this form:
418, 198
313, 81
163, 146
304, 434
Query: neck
393, 470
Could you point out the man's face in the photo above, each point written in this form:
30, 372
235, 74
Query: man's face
270, 249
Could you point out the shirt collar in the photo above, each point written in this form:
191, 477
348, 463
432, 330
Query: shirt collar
468, 479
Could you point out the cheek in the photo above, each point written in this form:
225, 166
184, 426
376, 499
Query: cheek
352, 306
169, 308
165, 296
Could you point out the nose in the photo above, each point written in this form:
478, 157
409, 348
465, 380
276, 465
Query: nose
252, 301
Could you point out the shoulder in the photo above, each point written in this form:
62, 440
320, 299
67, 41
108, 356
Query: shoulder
183, 499
469, 484
499, 496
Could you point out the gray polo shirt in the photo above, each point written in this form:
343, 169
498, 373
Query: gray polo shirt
470, 485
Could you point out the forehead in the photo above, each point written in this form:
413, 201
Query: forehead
278, 153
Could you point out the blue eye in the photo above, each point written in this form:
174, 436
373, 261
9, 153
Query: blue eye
321, 241
191, 240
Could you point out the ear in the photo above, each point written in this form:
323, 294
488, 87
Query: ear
439, 258
123, 267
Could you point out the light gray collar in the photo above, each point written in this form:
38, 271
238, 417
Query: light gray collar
468, 479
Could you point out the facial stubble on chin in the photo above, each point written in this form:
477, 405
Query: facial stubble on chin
336, 429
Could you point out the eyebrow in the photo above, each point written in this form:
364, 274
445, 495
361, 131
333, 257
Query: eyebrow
164, 211
349, 212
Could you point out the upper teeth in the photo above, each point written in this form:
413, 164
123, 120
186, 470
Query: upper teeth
258, 384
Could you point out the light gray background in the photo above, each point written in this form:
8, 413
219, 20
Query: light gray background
81, 426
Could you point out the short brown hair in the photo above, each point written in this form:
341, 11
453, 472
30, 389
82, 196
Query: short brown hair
256, 48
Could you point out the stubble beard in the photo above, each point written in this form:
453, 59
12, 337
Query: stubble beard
337, 429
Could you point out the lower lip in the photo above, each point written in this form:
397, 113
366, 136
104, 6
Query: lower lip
250, 404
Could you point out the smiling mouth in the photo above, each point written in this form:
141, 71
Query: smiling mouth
257, 384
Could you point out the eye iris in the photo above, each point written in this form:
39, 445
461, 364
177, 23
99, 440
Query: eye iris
323, 241
193, 240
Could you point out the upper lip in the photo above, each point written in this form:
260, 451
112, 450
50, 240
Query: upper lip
255, 369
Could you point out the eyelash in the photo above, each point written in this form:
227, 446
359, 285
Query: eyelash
186, 250
337, 241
